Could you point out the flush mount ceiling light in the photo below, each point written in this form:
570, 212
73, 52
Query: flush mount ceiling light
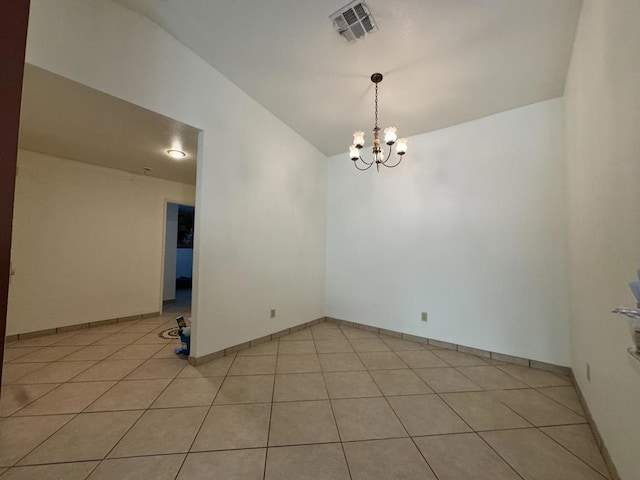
390, 139
177, 154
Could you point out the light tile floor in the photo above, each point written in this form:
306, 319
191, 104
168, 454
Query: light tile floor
328, 402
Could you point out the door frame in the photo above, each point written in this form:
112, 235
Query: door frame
164, 246
13, 42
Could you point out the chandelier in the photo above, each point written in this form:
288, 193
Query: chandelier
390, 138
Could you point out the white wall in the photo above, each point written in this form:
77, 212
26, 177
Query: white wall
87, 242
261, 188
170, 255
469, 228
603, 145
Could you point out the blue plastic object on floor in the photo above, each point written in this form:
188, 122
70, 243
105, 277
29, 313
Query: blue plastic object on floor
185, 337
186, 345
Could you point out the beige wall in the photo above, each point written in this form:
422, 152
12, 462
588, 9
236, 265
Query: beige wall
87, 242
603, 145
261, 188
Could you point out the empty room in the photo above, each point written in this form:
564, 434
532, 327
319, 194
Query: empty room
320, 240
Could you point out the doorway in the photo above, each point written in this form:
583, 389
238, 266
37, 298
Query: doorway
178, 258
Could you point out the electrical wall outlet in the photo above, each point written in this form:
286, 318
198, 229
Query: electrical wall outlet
424, 317
273, 313
588, 372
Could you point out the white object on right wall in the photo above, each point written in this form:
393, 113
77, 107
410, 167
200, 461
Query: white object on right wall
633, 315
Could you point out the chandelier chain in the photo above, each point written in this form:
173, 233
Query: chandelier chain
376, 127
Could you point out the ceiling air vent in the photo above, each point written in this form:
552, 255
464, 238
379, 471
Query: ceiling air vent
353, 21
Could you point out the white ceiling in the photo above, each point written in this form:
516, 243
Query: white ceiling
444, 61
66, 119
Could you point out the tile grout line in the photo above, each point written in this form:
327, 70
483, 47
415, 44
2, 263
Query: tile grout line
22, 376
333, 414
483, 388
322, 371
69, 380
502, 403
144, 411
409, 435
144, 455
526, 387
476, 432
91, 345
398, 418
204, 418
473, 430
498, 453
569, 451
549, 398
34, 400
117, 382
40, 443
51, 463
522, 381
273, 392
537, 389
403, 425
13, 360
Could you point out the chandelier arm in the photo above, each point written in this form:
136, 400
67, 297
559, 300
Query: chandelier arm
388, 156
355, 164
365, 162
395, 164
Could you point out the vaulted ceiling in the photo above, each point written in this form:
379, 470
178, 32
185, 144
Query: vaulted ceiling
444, 61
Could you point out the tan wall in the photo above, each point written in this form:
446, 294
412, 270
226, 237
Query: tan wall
87, 242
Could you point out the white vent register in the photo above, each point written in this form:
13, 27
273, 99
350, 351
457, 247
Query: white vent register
353, 21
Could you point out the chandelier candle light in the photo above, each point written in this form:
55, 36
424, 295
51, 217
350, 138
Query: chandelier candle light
390, 138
